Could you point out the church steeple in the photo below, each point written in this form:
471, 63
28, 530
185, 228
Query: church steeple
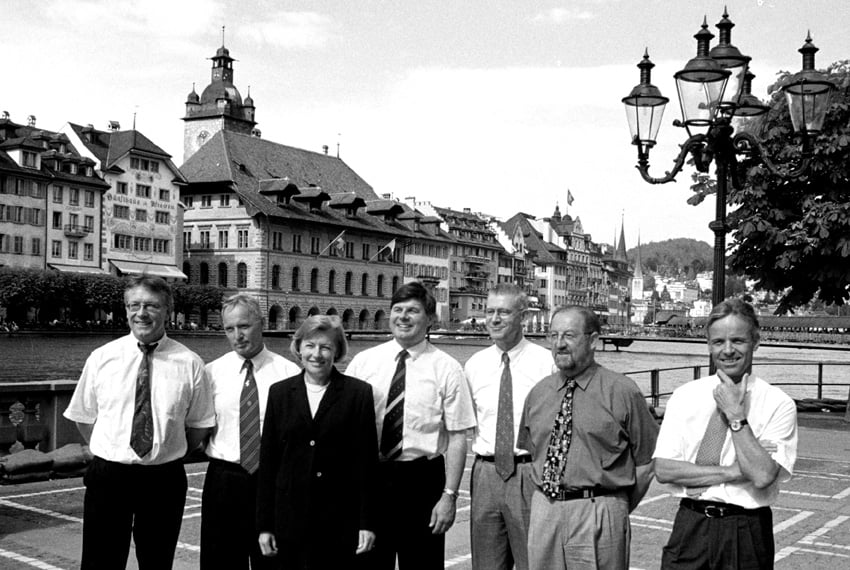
621, 247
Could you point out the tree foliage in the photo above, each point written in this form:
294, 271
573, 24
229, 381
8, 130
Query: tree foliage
680, 257
793, 236
189, 297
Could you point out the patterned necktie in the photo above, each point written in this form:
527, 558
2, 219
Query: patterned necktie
141, 436
710, 447
249, 421
393, 430
505, 423
559, 444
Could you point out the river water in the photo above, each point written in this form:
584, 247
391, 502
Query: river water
28, 357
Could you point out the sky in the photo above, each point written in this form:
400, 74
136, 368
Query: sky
499, 106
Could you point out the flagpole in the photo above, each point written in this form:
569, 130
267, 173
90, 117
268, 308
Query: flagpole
333, 241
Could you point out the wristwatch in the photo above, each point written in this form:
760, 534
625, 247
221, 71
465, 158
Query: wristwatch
738, 425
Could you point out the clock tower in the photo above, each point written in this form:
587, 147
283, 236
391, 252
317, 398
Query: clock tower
219, 107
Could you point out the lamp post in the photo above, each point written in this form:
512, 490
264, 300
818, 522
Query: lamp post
713, 88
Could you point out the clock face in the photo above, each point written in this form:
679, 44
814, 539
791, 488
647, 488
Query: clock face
203, 136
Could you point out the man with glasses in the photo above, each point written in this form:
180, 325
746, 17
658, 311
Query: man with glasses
500, 378
142, 403
591, 436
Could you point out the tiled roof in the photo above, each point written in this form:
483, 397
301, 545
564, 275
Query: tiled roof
544, 251
109, 147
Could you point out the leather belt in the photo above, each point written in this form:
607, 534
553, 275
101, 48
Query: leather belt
589, 493
517, 458
715, 510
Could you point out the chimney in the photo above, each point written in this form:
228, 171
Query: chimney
325, 149
255, 132
114, 126
387, 196
5, 115
31, 121
467, 210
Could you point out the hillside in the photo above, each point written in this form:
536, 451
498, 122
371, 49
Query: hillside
679, 257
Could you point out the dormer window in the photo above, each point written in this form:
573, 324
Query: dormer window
29, 159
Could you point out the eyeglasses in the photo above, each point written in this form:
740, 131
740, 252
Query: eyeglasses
149, 307
569, 336
503, 313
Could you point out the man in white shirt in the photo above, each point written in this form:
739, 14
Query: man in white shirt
726, 443
423, 410
142, 403
500, 378
228, 511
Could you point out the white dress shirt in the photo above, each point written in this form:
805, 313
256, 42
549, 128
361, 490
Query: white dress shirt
226, 379
436, 395
529, 364
106, 395
772, 416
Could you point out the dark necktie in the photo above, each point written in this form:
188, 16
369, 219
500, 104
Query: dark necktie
559, 444
391, 436
710, 447
141, 436
249, 421
505, 423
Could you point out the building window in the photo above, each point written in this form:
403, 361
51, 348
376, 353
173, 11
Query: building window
36, 246
222, 274
74, 221
395, 284
224, 200
241, 275
56, 248
143, 191
161, 246
348, 279
314, 280
4, 243
89, 199
122, 212
315, 244
364, 284
73, 249
141, 215
164, 195
380, 285
35, 217
242, 239
74, 197
141, 244
88, 251
296, 243
187, 270
19, 245
223, 239
121, 188
121, 241
332, 281
188, 201
57, 220
57, 194
205, 239
162, 217
29, 159
296, 279
154, 166
366, 251
205, 273
349, 250
187, 240
276, 277
206, 201
277, 240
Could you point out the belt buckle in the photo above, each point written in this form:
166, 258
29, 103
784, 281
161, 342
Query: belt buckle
713, 511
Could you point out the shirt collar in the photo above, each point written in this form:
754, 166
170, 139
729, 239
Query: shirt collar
513, 353
415, 351
582, 380
258, 361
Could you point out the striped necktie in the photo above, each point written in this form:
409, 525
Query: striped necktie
559, 444
505, 423
141, 436
249, 421
391, 435
710, 447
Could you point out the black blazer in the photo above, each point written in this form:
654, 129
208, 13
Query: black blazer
316, 486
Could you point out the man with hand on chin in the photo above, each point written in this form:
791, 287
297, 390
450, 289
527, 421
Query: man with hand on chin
726, 443
422, 412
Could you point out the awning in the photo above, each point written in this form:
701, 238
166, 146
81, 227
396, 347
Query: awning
139, 268
75, 268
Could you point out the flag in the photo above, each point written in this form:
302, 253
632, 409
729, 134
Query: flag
569, 198
390, 246
337, 243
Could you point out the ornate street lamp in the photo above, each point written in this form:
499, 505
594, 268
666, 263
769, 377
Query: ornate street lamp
713, 88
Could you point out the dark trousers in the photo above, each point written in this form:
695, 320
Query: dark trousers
408, 491
740, 541
145, 501
228, 519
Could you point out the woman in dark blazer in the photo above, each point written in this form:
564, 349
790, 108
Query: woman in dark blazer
318, 458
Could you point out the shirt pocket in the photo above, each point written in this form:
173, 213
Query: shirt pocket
423, 406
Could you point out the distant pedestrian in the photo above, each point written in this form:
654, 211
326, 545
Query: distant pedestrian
142, 403
591, 435
500, 378
727, 442
240, 382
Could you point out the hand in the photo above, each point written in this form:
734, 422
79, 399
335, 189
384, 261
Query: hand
268, 544
731, 397
366, 541
443, 515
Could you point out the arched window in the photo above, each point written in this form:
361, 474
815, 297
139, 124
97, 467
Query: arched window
364, 284
348, 283
205, 274
395, 284
241, 276
275, 276
296, 279
187, 269
332, 281
314, 280
222, 274
380, 285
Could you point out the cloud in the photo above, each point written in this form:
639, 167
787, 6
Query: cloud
561, 15
292, 30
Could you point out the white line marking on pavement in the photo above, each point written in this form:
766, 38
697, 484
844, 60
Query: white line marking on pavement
809, 551
785, 552
39, 511
27, 560
810, 538
51, 492
802, 494
457, 560
788, 523
830, 545
843, 494
187, 546
655, 498
649, 519
825, 460
821, 474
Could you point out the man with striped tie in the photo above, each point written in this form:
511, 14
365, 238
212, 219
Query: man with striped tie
240, 382
423, 410
726, 443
